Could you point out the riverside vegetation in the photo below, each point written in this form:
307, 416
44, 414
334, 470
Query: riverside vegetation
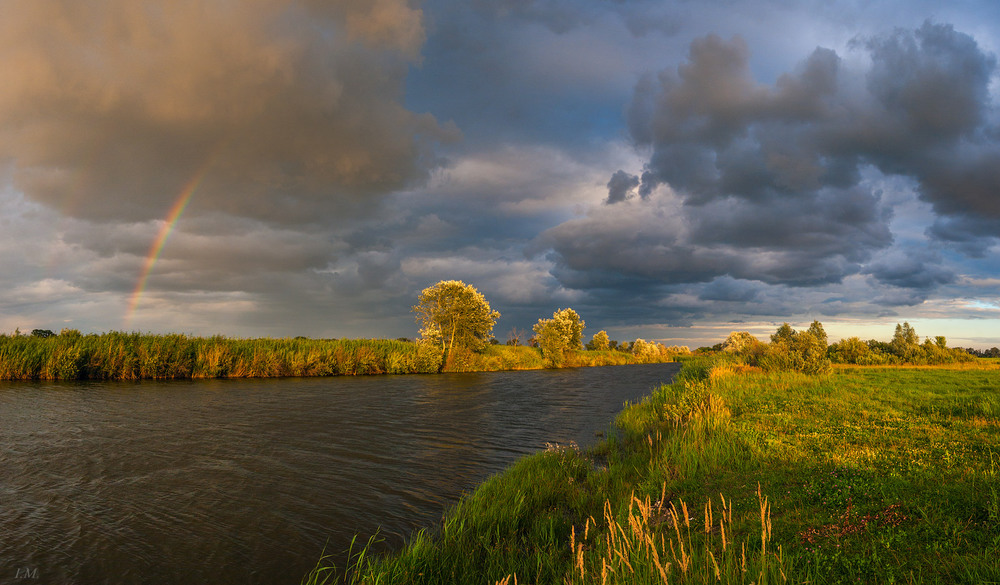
135, 356
743, 472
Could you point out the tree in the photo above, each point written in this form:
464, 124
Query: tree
563, 331
644, 350
905, 334
453, 313
785, 334
816, 328
905, 342
514, 337
571, 324
738, 341
809, 353
601, 341
552, 339
853, 351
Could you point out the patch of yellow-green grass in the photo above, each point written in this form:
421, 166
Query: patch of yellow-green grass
878, 474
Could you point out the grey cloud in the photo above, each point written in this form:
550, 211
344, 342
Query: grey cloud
932, 121
730, 290
768, 182
900, 297
844, 223
932, 84
241, 255
376, 268
916, 269
621, 186
715, 132
973, 236
289, 111
965, 183
550, 72
643, 243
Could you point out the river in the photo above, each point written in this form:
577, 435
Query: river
246, 481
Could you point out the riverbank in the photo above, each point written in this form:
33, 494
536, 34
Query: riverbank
137, 356
864, 475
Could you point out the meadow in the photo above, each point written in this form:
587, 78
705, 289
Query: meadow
735, 475
137, 356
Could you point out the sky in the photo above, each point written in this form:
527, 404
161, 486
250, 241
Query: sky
671, 169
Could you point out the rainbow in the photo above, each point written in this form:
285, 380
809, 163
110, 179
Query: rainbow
161, 238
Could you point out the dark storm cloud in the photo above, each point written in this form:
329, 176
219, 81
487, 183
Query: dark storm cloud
293, 108
730, 289
768, 182
973, 236
911, 269
620, 186
931, 88
525, 72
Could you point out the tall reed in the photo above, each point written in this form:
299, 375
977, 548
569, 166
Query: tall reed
662, 542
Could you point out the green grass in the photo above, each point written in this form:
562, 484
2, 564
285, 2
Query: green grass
504, 357
867, 474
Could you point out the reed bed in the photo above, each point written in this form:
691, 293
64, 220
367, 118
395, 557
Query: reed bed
135, 356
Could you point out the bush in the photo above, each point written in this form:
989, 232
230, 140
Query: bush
789, 350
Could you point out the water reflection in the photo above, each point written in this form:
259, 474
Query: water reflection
245, 481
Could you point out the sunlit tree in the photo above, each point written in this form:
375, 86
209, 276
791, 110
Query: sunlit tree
816, 329
644, 350
853, 351
785, 334
601, 341
802, 351
553, 341
738, 341
905, 342
455, 314
556, 335
572, 325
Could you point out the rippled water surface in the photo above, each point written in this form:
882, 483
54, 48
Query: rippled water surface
246, 481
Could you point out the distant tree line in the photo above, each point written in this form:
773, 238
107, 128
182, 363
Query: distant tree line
992, 352
809, 352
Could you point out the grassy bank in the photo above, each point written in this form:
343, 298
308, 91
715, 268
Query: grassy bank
885, 475
505, 357
136, 356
